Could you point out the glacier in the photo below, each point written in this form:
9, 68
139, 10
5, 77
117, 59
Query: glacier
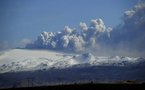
17, 60
46, 67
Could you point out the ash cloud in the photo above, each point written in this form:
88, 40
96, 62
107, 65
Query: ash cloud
125, 39
131, 33
71, 39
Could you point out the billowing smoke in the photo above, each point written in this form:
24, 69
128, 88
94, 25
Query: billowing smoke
123, 39
95, 32
71, 39
131, 34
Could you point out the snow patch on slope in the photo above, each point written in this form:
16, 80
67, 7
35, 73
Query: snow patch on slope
84, 58
30, 60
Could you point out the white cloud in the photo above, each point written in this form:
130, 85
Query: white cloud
68, 30
83, 26
70, 39
65, 41
77, 43
97, 25
129, 13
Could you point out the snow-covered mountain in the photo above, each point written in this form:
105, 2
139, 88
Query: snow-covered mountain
17, 60
24, 67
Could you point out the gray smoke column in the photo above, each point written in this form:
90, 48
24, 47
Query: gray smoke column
131, 33
71, 39
94, 32
125, 39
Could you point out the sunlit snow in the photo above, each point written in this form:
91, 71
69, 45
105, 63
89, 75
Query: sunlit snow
29, 60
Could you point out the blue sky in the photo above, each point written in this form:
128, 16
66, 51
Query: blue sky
21, 19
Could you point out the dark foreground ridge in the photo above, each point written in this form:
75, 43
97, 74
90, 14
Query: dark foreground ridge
125, 85
100, 74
